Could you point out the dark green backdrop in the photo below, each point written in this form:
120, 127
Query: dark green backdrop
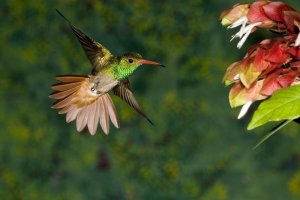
197, 148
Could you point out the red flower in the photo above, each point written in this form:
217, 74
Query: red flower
280, 78
267, 67
262, 14
270, 65
238, 11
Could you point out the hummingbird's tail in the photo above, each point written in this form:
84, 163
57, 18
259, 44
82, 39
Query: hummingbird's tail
75, 99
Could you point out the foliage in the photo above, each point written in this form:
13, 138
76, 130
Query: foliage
194, 151
269, 65
284, 104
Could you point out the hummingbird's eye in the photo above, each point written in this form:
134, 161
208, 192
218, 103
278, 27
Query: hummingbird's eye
130, 60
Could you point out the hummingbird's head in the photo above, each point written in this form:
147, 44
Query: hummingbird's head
134, 60
129, 62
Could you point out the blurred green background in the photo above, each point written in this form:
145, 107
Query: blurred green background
197, 148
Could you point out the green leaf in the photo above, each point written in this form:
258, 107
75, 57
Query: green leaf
283, 105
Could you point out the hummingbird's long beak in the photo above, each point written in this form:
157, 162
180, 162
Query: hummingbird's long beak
149, 62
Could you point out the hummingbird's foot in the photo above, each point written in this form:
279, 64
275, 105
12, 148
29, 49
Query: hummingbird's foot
94, 88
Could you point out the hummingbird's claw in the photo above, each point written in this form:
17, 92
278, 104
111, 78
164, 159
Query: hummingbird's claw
94, 89
95, 86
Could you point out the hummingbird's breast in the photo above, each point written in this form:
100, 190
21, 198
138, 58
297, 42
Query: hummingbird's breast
102, 83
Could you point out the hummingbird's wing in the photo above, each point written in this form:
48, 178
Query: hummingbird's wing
97, 53
124, 91
75, 99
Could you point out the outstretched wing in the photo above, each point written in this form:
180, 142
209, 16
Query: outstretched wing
75, 99
97, 53
123, 90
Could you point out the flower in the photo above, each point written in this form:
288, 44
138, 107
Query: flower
262, 14
237, 12
240, 95
268, 66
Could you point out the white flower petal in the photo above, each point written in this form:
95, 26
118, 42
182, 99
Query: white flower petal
296, 81
242, 21
243, 40
247, 31
297, 42
236, 77
244, 31
244, 109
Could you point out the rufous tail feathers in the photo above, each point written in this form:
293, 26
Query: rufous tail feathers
75, 99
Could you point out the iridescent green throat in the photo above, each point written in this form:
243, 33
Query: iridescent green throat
122, 71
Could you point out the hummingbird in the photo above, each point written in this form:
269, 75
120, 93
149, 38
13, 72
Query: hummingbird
86, 98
